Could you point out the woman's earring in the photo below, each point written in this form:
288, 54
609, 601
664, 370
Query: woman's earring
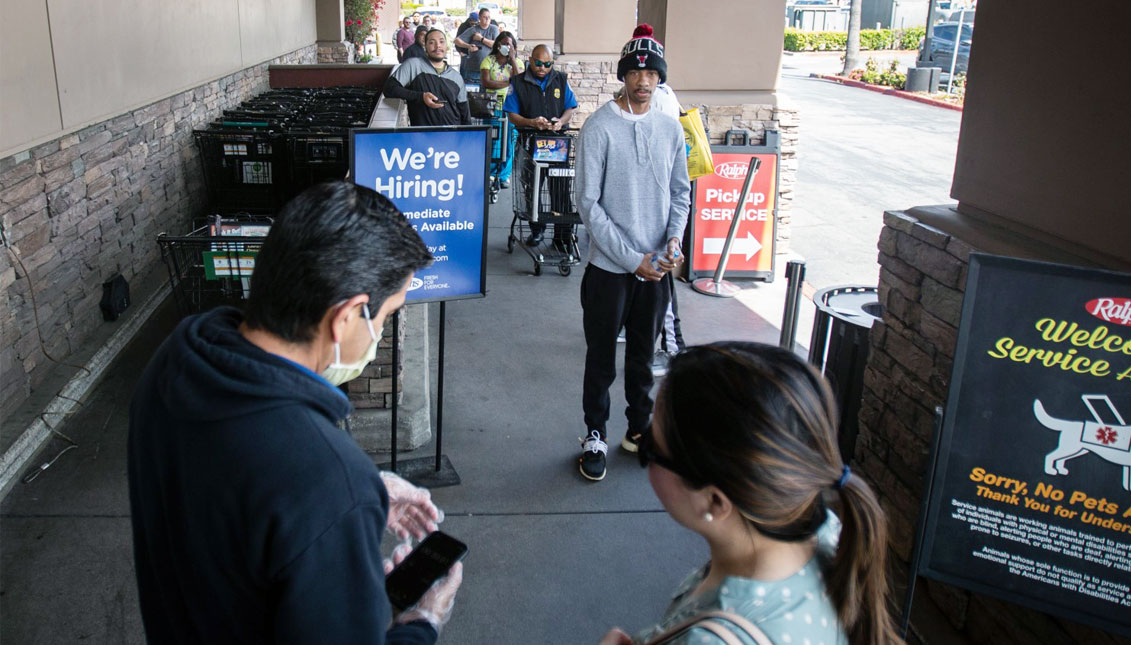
707, 517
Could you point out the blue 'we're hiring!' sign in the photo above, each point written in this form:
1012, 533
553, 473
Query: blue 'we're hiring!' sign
437, 178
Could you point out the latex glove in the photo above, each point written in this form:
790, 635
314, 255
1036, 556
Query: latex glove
616, 637
411, 511
399, 554
436, 604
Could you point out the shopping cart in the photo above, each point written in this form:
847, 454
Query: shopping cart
487, 110
212, 265
544, 194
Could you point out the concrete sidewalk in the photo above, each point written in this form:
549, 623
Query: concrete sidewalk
553, 559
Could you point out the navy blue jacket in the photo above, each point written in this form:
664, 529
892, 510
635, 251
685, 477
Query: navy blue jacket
256, 519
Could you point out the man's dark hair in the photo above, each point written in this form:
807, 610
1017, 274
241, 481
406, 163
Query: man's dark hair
332, 242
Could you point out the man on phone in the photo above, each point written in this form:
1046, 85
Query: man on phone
434, 91
540, 98
256, 518
633, 195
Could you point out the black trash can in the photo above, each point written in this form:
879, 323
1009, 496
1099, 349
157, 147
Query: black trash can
839, 347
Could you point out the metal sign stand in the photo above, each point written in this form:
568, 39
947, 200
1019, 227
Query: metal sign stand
921, 530
717, 286
429, 472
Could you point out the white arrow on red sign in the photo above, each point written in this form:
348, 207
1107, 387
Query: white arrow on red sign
748, 247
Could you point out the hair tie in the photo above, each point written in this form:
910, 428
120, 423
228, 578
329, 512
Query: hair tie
845, 473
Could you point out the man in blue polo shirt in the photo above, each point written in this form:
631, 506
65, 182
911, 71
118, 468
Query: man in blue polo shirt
541, 98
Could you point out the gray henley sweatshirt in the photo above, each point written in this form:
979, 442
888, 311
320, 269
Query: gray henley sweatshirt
632, 188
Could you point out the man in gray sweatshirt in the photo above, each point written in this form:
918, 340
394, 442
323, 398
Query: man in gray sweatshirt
633, 195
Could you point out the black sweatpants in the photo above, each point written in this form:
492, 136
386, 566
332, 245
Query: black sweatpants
610, 301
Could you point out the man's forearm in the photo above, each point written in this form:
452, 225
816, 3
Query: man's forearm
394, 90
520, 121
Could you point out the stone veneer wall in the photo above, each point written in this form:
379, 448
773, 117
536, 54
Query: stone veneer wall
335, 52
373, 389
595, 82
922, 282
90, 204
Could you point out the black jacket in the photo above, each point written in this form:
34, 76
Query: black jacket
414, 50
415, 76
256, 519
533, 100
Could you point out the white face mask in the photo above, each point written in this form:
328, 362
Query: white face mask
505, 50
338, 373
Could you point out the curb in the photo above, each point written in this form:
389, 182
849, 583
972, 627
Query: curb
889, 91
15, 459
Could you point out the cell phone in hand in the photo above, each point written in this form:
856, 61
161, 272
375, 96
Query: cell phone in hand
428, 562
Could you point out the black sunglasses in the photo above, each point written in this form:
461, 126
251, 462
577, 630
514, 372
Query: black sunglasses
539, 63
646, 453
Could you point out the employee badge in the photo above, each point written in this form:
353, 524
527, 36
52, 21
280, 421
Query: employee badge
557, 93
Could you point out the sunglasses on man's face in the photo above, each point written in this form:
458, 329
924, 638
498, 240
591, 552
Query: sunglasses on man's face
647, 454
539, 63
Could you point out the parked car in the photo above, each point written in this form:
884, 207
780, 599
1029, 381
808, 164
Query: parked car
943, 46
492, 6
435, 13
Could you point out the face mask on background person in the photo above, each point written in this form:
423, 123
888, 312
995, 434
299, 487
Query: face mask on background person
505, 50
338, 373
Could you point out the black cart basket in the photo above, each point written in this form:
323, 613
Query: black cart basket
544, 195
212, 265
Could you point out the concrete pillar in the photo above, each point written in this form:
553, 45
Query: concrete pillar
729, 55
331, 18
388, 20
594, 26
536, 22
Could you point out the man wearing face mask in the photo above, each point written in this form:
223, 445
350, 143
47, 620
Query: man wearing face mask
256, 518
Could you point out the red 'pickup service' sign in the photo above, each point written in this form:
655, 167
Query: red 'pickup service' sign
715, 198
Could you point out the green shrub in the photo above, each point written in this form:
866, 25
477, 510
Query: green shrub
804, 41
871, 73
910, 38
875, 39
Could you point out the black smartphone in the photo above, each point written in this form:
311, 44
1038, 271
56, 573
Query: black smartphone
427, 563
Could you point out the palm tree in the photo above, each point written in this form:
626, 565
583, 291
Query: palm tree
852, 48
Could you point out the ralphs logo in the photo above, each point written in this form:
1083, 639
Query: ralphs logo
415, 284
732, 169
1112, 310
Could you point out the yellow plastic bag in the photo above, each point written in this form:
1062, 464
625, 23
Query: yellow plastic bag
699, 161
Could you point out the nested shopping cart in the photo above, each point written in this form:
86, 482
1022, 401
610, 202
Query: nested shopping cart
544, 195
487, 110
212, 265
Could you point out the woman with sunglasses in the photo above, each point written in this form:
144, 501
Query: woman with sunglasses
743, 452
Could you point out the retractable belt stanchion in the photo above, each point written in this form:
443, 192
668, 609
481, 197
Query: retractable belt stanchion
795, 274
717, 286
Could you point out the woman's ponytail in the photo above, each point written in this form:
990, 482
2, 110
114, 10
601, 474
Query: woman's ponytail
857, 580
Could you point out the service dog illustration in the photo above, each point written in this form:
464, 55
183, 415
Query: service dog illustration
1110, 441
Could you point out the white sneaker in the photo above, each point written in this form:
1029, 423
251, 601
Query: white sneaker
592, 460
